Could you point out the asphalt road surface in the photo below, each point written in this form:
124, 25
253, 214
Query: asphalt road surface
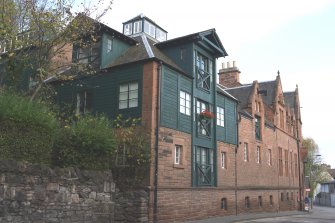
316, 215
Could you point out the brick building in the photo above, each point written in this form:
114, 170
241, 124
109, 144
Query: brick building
269, 122
216, 149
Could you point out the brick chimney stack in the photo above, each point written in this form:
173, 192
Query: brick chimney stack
230, 76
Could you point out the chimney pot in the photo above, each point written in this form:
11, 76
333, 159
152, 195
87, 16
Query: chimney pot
228, 64
234, 63
223, 65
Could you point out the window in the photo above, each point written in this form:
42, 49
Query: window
109, 45
204, 71
204, 118
220, 116
287, 196
258, 154
281, 118
257, 128
246, 152
247, 202
150, 29
84, 102
280, 160
177, 154
204, 166
296, 165
88, 53
271, 200
291, 164
257, 106
286, 162
223, 160
185, 103
269, 157
137, 27
128, 97
282, 196
127, 29
224, 203
260, 201
160, 34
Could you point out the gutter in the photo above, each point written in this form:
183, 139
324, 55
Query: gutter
155, 208
236, 149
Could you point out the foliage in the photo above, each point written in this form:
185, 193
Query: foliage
313, 169
39, 35
88, 143
132, 155
27, 129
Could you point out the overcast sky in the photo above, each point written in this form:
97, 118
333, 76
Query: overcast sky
296, 37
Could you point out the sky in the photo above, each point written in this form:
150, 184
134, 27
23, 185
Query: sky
296, 37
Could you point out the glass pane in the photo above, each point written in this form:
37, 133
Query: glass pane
182, 109
182, 95
188, 97
133, 86
123, 87
122, 104
123, 96
188, 111
133, 103
133, 94
146, 27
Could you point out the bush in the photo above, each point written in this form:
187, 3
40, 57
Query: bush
28, 129
88, 143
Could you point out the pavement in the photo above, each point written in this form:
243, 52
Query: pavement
251, 216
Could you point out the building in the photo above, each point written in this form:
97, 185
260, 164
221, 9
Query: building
216, 149
326, 196
268, 166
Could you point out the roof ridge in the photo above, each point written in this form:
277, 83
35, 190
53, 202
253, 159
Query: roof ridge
147, 46
242, 86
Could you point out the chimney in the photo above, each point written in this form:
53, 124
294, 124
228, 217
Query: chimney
229, 76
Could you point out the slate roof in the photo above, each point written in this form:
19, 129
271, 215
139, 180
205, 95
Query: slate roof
209, 34
289, 98
242, 94
269, 87
145, 49
331, 172
141, 16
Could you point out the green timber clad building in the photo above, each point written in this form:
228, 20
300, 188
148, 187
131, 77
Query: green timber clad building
171, 86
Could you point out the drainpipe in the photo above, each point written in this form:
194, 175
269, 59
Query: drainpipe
300, 184
238, 118
159, 71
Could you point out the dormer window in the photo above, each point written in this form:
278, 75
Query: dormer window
137, 27
128, 29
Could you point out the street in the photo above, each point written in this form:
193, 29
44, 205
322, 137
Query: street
317, 215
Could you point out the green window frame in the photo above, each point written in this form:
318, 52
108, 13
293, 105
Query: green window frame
204, 71
204, 166
83, 102
204, 123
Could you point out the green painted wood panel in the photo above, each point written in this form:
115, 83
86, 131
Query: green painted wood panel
105, 91
169, 99
172, 83
231, 127
118, 47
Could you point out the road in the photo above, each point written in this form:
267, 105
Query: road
316, 215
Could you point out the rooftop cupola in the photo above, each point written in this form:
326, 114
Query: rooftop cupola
142, 24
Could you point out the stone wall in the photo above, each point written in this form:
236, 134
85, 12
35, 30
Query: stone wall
37, 193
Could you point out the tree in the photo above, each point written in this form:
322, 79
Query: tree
315, 172
36, 39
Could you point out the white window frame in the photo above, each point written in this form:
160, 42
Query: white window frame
223, 160
245, 152
220, 116
137, 27
177, 154
185, 103
269, 157
128, 29
109, 45
128, 95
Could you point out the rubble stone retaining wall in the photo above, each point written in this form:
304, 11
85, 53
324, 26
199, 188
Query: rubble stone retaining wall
40, 194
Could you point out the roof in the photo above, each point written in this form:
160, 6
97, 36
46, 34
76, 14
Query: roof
331, 172
145, 49
242, 94
210, 36
222, 91
289, 98
268, 87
